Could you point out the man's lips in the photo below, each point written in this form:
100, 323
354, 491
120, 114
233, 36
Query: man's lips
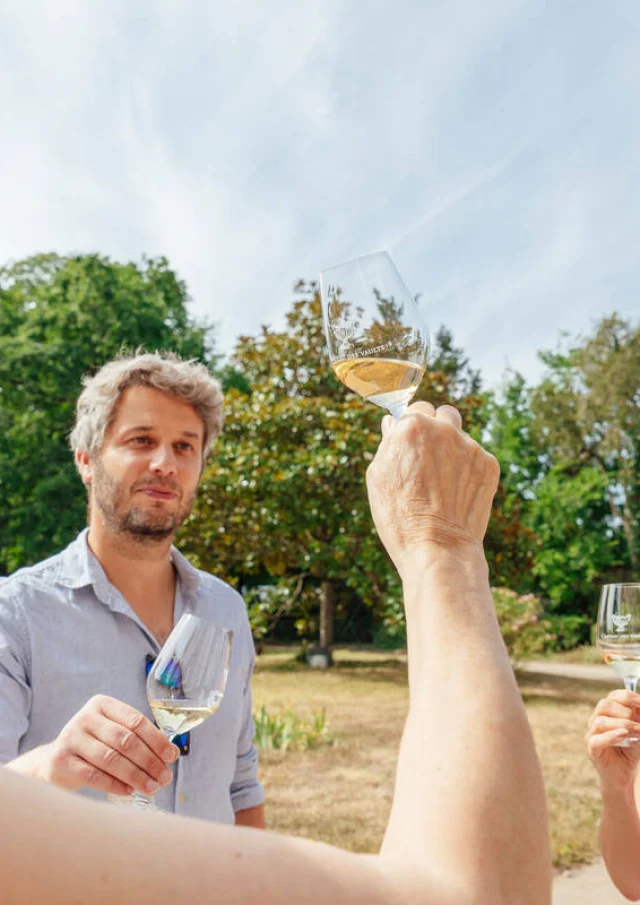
158, 493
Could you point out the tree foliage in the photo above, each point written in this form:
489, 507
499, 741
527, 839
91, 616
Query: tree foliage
61, 318
587, 412
284, 496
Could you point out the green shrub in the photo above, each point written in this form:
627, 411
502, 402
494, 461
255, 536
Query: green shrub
391, 632
567, 632
285, 730
523, 629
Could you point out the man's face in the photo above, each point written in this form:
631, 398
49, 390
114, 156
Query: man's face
144, 481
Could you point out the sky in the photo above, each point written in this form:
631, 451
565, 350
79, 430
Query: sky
493, 148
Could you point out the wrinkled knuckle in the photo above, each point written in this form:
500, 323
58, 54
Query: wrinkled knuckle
93, 776
135, 721
65, 738
127, 741
97, 702
409, 425
110, 757
151, 765
493, 467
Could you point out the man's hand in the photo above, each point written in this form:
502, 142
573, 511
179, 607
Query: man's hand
614, 718
108, 746
430, 485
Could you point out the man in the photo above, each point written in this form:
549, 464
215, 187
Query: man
468, 821
77, 630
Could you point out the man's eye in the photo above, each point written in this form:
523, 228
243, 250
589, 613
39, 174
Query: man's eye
184, 445
141, 441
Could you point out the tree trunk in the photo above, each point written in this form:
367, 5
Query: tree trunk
327, 598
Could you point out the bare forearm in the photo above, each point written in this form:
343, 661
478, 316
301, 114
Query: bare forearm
253, 817
620, 840
33, 763
484, 825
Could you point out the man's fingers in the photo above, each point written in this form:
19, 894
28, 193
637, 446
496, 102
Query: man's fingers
91, 777
136, 722
123, 754
449, 414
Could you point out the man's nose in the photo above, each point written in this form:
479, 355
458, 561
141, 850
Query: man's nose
163, 460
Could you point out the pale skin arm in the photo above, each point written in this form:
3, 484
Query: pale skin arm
614, 717
251, 817
61, 849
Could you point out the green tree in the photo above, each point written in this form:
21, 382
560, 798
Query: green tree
284, 496
510, 541
60, 318
575, 547
587, 412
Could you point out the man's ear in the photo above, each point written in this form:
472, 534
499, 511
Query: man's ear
84, 466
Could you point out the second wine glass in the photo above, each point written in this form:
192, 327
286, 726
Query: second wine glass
187, 681
618, 637
378, 343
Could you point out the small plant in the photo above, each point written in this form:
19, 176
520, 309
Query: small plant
286, 730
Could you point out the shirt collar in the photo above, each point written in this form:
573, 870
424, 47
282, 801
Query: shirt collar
79, 567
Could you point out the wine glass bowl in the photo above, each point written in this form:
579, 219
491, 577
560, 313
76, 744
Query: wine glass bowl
377, 341
187, 681
618, 636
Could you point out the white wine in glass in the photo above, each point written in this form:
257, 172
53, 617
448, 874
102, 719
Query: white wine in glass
618, 637
187, 681
378, 343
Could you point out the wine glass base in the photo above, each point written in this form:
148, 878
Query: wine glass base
133, 801
627, 742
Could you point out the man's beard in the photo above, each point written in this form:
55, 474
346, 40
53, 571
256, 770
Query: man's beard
140, 524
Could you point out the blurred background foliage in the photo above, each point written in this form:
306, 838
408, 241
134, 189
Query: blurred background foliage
282, 511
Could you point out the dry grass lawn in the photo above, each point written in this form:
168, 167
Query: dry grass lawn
342, 794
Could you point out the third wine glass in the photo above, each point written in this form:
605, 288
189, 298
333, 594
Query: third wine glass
618, 637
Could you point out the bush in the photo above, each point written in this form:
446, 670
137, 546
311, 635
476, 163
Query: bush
286, 730
523, 629
527, 631
567, 632
391, 632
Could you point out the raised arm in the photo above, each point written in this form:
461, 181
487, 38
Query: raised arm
468, 820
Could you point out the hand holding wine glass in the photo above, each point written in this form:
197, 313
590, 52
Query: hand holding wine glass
377, 341
615, 718
618, 640
187, 681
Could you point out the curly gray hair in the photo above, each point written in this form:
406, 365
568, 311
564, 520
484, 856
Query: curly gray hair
188, 381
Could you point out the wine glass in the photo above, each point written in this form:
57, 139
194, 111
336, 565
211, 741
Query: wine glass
618, 636
378, 343
187, 681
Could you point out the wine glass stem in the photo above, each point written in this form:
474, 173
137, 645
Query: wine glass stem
631, 683
398, 410
146, 801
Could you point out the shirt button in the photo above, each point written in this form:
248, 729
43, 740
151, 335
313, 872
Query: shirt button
180, 799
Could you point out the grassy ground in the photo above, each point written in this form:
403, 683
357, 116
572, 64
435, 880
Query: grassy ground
342, 794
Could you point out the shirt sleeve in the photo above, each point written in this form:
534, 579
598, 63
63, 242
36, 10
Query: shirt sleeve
246, 790
15, 690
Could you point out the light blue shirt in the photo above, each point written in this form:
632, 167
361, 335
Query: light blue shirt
66, 634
